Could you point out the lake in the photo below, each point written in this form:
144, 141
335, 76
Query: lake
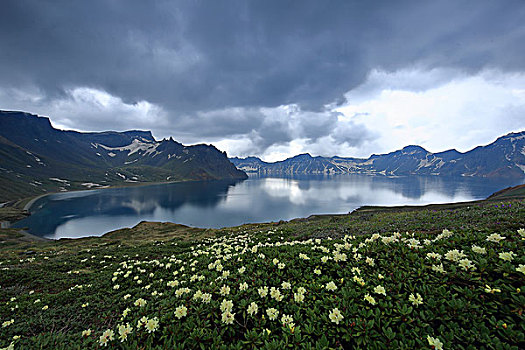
216, 204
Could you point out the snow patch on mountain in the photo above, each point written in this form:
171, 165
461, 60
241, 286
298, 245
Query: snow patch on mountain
134, 147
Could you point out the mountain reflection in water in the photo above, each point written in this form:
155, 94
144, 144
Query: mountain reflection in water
229, 203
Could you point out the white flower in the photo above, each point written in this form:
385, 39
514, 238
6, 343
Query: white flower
286, 285
438, 268
370, 299
276, 294
454, 255
336, 316
252, 309
225, 290
331, 286
435, 342
263, 291
106, 337
206, 298
507, 256
380, 290
272, 313
521, 269
140, 302
415, 299
433, 255
298, 297
478, 250
287, 320
466, 264
181, 311
243, 286
226, 305
495, 237
152, 325
123, 331
228, 317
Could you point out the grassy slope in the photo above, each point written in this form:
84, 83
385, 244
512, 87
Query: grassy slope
456, 308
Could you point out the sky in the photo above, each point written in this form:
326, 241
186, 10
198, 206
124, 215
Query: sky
272, 78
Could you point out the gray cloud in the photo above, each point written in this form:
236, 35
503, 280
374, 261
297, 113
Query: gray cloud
211, 69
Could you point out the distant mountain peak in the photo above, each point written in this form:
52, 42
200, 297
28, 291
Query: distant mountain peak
498, 159
413, 148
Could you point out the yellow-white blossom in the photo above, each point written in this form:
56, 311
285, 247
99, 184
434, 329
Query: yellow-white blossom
152, 324
226, 305
438, 268
252, 309
507, 256
415, 299
370, 299
263, 291
495, 237
380, 290
467, 265
227, 317
298, 297
435, 342
455, 255
106, 337
225, 290
7, 323
335, 316
272, 313
331, 286
479, 250
123, 331
287, 320
276, 294
181, 311
140, 302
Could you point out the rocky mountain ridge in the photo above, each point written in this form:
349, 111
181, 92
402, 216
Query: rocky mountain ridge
36, 158
504, 157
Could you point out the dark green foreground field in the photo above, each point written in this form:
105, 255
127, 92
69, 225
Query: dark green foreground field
441, 276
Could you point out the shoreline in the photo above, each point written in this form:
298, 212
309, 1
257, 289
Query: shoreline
509, 193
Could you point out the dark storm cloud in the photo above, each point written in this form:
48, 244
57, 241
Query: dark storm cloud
197, 58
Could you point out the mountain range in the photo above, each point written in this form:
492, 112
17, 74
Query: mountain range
36, 158
504, 157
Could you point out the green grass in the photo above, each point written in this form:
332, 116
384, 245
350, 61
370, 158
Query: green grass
53, 291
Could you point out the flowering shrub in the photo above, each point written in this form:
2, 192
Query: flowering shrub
447, 288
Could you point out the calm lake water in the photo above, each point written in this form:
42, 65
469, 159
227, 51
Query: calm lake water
227, 203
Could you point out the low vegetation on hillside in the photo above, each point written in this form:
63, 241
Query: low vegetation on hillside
440, 277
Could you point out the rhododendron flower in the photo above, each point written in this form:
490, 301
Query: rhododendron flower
335, 316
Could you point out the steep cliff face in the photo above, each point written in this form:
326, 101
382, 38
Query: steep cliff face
36, 158
505, 157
